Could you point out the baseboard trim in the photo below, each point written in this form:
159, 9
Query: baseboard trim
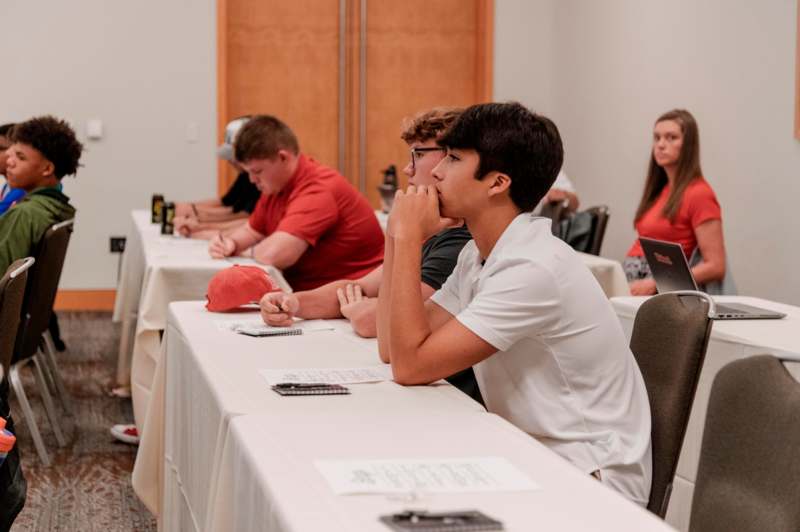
85, 300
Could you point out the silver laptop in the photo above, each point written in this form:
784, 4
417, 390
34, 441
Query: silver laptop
671, 273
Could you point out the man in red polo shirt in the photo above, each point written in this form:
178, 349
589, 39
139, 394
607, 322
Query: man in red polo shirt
309, 222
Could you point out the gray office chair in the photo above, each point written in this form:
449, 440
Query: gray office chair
669, 341
748, 478
31, 346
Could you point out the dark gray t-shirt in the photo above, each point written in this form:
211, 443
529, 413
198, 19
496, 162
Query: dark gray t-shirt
439, 257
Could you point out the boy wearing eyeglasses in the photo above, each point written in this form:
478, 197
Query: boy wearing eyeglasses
520, 307
357, 300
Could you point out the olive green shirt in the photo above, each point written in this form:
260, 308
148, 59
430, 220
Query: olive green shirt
24, 225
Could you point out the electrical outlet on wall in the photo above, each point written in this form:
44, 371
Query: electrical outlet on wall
117, 244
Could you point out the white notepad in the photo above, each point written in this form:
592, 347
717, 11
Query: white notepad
433, 475
257, 326
328, 375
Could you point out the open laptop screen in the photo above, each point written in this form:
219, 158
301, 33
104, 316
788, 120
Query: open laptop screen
668, 265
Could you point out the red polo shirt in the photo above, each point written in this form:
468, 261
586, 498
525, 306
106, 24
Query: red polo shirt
698, 205
320, 206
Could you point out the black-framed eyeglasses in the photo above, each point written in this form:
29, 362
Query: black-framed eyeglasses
416, 153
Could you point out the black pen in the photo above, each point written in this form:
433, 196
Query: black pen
300, 385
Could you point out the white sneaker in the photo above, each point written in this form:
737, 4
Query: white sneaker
126, 433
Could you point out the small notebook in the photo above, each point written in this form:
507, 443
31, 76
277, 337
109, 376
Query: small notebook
463, 521
266, 330
297, 388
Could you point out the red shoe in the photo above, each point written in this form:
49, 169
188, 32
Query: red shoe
126, 433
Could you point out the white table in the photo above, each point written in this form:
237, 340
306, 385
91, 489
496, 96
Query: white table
206, 376
156, 270
609, 274
268, 480
730, 340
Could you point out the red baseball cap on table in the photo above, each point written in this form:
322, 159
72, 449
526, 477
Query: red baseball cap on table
236, 286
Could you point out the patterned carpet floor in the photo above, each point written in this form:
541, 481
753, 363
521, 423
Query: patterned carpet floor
88, 486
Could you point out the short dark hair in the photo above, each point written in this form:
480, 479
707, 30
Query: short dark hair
429, 124
262, 137
54, 138
5, 130
514, 141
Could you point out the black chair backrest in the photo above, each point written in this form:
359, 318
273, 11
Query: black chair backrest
669, 340
583, 230
42, 286
748, 478
556, 211
600, 217
12, 291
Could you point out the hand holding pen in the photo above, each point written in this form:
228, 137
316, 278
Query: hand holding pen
221, 246
279, 308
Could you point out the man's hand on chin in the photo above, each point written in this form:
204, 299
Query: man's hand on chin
416, 215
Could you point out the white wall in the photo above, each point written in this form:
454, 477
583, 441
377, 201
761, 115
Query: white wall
617, 64
147, 69
524, 53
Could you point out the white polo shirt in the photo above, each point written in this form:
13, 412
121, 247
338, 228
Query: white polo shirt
563, 371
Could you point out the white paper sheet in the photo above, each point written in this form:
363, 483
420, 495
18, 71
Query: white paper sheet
328, 375
435, 475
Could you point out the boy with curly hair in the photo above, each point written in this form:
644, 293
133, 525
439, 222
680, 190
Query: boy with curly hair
43, 150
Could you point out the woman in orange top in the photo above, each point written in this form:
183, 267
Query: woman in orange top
677, 205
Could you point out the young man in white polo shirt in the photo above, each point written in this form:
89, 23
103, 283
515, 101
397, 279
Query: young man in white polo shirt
521, 307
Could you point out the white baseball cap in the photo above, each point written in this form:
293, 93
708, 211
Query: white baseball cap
225, 150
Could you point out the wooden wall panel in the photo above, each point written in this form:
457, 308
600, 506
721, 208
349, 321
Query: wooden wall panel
420, 54
84, 300
282, 59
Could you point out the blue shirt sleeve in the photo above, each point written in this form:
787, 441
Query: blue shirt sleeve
13, 196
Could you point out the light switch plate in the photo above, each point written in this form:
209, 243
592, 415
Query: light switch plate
94, 129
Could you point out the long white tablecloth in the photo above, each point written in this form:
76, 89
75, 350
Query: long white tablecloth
268, 480
156, 270
730, 340
206, 376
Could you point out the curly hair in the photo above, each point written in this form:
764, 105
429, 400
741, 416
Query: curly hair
54, 139
430, 124
5, 129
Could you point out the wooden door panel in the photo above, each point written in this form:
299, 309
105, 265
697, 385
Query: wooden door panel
283, 59
420, 54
